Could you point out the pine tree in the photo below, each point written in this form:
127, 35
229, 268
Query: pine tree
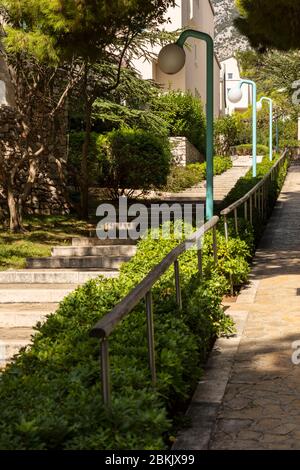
270, 23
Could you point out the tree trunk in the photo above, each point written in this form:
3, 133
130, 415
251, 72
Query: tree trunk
84, 183
27, 189
15, 224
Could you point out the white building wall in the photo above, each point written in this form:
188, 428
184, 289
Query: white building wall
195, 14
232, 79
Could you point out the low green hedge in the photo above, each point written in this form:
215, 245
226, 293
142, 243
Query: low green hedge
182, 178
245, 184
246, 149
289, 143
50, 396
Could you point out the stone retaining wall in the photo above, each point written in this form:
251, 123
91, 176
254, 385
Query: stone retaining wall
48, 195
184, 152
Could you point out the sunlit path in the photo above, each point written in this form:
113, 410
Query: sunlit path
260, 409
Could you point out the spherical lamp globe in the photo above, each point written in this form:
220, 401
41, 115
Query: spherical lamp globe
235, 95
259, 106
171, 59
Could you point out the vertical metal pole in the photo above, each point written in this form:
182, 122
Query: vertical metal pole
271, 129
254, 124
277, 136
150, 336
215, 247
200, 264
210, 57
262, 202
105, 372
226, 227
210, 129
177, 284
236, 222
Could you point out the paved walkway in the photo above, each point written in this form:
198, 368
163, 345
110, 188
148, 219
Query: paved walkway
261, 405
222, 184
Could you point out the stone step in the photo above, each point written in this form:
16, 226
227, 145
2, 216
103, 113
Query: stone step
24, 315
84, 262
11, 341
53, 277
94, 241
114, 250
37, 293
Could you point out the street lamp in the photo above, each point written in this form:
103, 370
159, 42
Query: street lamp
171, 60
235, 95
259, 108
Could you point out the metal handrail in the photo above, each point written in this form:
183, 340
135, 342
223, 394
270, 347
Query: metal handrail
104, 327
255, 197
107, 324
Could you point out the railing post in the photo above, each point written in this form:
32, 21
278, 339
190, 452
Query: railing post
200, 264
236, 222
105, 372
226, 227
215, 248
262, 202
177, 284
150, 336
251, 210
246, 210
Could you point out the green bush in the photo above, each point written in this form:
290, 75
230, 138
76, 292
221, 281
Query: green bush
182, 178
133, 159
227, 130
245, 184
76, 140
289, 143
50, 395
184, 116
246, 149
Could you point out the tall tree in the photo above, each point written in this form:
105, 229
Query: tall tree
81, 32
270, 23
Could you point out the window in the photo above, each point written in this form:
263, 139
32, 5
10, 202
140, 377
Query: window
230, 76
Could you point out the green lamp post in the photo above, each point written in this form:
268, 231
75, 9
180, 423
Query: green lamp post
235, 95
259, 108
171, 60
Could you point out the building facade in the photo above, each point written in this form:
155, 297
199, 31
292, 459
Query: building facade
194, 14
231, 79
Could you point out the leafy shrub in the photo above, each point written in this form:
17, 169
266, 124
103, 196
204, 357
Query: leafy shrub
226, 133
76, 140
184, 116
181, 178
245, 184
246, 149
50, 395
289, 143
133, 159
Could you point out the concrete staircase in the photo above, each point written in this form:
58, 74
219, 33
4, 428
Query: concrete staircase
27, 296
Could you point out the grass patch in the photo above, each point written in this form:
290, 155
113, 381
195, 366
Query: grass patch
43, 232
